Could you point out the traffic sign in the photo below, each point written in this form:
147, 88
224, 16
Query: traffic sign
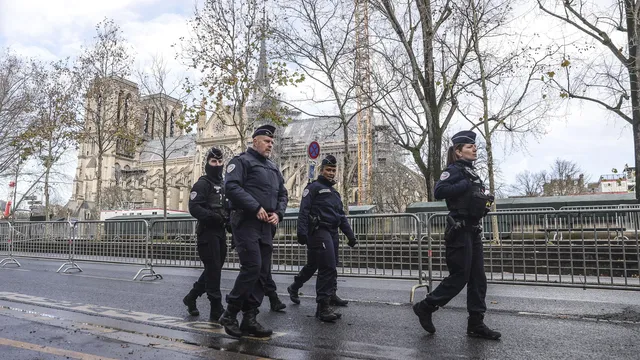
313, 150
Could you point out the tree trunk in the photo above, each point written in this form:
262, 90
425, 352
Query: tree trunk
346, 181
164, 165
415, 153
487, 130
632, 37
164, 187
435, 157
46, 190
99, 188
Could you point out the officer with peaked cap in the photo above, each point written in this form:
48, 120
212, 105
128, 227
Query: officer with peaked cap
255, 188
321, 215
208, 204
467, 202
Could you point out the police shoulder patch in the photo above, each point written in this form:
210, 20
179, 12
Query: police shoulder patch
193, 195
305, 192
324, 191
445, 175
230, 168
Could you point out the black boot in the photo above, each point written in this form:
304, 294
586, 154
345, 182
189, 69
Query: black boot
293, 294
276, 304
190, 301
229, 320
336, 301
251, 327
216, 310
477, 328
424, 311
324, 312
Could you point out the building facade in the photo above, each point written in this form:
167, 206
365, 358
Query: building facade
134, 180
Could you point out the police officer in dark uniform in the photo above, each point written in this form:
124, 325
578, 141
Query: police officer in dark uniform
208, 204
255, 187
467, 202
321, 214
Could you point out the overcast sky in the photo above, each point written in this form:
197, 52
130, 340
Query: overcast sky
53, 29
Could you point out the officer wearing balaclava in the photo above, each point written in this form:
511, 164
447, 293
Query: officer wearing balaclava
208, 204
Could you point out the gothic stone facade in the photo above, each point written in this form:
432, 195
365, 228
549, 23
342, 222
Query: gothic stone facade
138, 176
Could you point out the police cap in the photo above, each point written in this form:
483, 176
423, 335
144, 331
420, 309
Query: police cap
464, 137
266, 130
329, 160
214, 153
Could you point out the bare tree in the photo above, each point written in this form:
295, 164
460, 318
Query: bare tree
509, 90
116, 198
55, 128
17, 103
564, 178
421, 52
396, 186
109, 111
226, 45
318, 37
164, 102
529, 184
608, 74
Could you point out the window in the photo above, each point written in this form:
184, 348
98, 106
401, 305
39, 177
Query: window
146, 120
125, 116
154, 213
171, 124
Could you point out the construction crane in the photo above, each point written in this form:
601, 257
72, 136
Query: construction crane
364, 109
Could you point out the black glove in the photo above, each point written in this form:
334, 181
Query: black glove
352, 242
302, 239
216, 218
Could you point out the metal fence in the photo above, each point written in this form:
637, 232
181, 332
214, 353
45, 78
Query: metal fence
572, 247
6, 245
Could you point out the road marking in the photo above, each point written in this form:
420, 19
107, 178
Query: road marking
121, 314
51, 350
108, 278
15, 269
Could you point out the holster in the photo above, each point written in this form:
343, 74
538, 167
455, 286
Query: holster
199, 228
236, 217
314, 223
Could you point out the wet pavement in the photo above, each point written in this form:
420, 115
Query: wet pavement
102, 312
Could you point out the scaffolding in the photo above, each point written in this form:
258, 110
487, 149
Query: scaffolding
364, 109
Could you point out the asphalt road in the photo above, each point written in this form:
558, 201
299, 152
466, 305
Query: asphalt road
102, 312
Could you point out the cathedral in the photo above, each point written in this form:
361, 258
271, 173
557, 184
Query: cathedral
134, 179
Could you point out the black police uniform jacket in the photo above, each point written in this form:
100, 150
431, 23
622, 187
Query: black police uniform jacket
253, 181
208, 204
322, 200
463, 191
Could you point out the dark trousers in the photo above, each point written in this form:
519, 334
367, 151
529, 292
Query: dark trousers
268, 284
253, 240
465, 260
212, 250
322, 254
311, 266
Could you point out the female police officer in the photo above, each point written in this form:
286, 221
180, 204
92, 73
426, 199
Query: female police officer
464, 193
207, 203
321, 214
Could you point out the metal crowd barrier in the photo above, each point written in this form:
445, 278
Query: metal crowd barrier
43, 239
122, 242
388, 247
6, 245
570, 247
538, 248
174, 243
